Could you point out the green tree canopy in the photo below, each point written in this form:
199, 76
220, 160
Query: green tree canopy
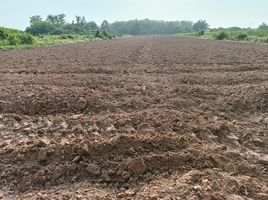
41, 28
200, 25
56, 25
147, 27
263, 26
105, 25
35, 19
56, 19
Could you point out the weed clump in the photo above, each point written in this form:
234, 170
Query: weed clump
241, 36
200, 33
26, 39
221, 35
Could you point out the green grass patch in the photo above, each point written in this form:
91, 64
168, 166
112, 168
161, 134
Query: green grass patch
250, 36
51, 40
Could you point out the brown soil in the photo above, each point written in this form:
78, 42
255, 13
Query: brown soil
135, 118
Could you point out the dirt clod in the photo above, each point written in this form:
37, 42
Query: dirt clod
137, 166
93, 169
39, 177
81, 103
42, 155
125, 176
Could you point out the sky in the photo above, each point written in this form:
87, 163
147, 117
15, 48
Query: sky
218, 13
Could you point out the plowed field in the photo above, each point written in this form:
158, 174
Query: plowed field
135, 118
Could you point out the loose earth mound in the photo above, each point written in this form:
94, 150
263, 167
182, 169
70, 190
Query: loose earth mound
135, 118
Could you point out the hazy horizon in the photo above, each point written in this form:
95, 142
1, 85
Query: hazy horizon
228, 13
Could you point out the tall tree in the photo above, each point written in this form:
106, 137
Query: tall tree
35, 19
61, 18
56, 19
83, 20
263, 26
200, 25
52, 19
105, 25
92, 25
78, 19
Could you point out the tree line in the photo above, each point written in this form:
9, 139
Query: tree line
81, 29
57, 25
149, 27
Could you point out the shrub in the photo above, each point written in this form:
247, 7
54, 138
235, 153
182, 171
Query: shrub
105, 35
200, 33
241, 36
3, 34
221, 36
97, 34
15, 37
26, 39
13, 40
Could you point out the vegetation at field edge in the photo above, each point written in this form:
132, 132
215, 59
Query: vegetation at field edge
54, 31
46, 40
259, 35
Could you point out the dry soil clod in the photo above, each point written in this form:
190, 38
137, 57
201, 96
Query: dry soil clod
136, 165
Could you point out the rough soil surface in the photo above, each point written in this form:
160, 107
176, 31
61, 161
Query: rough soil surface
135, 118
